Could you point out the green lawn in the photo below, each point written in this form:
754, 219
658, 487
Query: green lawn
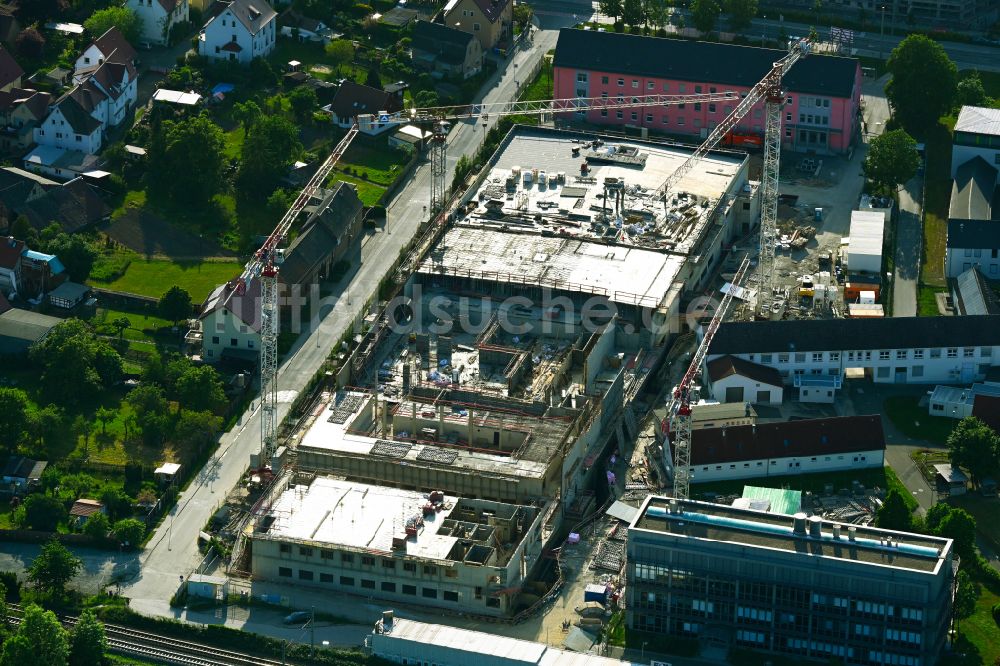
927, 300
979, 633
914, 421
374, 157
152, 277
144, 328
369, 193
883, 478
234, 142
937, 193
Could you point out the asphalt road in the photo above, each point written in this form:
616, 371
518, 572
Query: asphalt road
909, 235
172, 551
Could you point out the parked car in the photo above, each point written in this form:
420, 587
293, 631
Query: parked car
297, 617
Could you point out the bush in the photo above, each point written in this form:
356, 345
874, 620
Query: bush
11, 584
996, 613
30, 44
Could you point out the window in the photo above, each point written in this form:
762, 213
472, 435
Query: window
666, 87
410, 589
79, 137
604, 80
326, 578
917, 371
232, 342
450, 596
305, 574
635, 115
681, 87
834, 356
285, 548
429, 593
450, 573
388, 564
697, 106
782, 358
800, 357
765, 358
680, 121
635, 83
619, 115
409, 566
347, 580
368, 560
388, 587
649, 85
968, 352
284, 572
935, 353
697, 89
475, 27
817, 357
918, 354
604, 113
368, 584
788, 133
347, 558
666, 121
900, 354
711, 108
788, 117
621, 83
581, 77
952, 352
649, 117
883, 355
430, 570
305, 551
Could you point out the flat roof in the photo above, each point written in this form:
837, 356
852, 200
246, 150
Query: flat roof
779, 500
574, 203
513, 650
19, 329
176, 97
622, 274
335, 512
867, 229
332, 434
769, 531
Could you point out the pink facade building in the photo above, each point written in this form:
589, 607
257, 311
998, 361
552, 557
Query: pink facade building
821, 113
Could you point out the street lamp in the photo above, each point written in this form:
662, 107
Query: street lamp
642, 653
881, 32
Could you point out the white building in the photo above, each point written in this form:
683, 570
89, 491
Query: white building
111, 46
410, 642
977, 134
424, 548
864, 249
159, 17
75, 121
789, 447
957, 402
238, 30
902, 350
735, 380
230, 324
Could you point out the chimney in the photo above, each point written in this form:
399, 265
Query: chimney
815, 527
836, 531
852, 533
673, 507
799, 524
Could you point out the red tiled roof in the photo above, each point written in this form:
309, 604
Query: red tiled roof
232, 47
84, 508
811, 437
10, 252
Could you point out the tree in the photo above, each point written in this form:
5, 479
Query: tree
104, 416
175, 304
46, 424
130, 532
88, 644
121, 324
303, 101
97, 526
960, 526
340, 52
894, 514
426, 98
151, 412
14, 409
188, 160
970, 92
75, 253
30, 43
116, 503
201, 387
21, 229
126, 20
610, 8
705, 14
372, 78
40, 640
741, 12
196, 429
974, 446
633, 13
923, 85
892, 159
246, 113
74, 362
54, 567
43, 512
268, 151
658, 12
967, 593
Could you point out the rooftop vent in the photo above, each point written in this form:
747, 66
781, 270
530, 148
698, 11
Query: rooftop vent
816, 527
799, 524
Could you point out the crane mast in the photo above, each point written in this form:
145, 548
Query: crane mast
686, 393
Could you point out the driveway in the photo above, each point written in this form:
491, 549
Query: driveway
909, 238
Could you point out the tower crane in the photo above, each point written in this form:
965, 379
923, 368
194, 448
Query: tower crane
685, 394
263, 266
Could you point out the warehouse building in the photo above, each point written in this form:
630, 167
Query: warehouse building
820, 114
901, 350
793, 585
431, 549
864, 248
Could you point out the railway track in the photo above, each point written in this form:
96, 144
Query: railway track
164, 649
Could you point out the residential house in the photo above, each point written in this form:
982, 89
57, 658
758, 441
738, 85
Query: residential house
11, 250
230, 323
450, 51
17, 188
821, 111
75, 120
40, 273
238, 30
786, 447
10, 71
111, 46
19, 329
60, 163
736, 380
959, 402
490, 21
304, 28
74, 206
159, 17
974, 211
83, 509
21, 111
20, 473
901, 350
355, 99
10, 27
331, 228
